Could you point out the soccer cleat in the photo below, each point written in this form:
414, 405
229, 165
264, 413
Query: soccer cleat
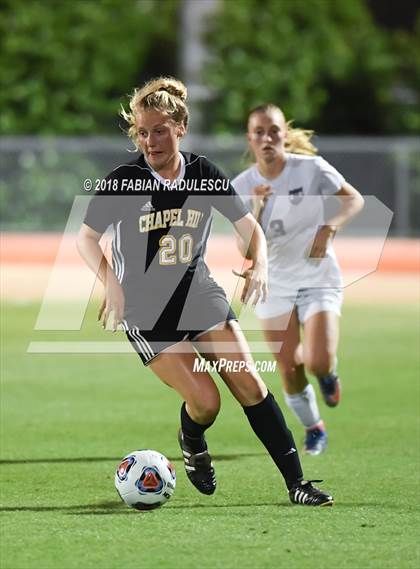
316, 440
198, 467
305, 494
330, 389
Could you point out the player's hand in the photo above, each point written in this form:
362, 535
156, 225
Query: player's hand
255, 283
321, 241
260, 195
113, 302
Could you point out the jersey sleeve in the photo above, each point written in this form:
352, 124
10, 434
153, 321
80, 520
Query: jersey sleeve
99, 213
227, 202
330, 180
103, 206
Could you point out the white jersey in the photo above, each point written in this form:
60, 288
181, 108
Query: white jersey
291, 218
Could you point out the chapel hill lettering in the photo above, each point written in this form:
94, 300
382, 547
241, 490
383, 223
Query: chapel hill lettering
170, 218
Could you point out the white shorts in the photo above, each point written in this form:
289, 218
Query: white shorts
307, 301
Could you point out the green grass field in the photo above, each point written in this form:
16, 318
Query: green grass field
68, 419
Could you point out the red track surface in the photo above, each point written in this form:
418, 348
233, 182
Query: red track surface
398, 255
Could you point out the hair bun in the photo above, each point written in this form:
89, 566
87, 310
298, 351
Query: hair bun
172, 86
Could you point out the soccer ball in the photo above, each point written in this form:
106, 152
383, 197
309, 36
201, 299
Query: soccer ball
145, 479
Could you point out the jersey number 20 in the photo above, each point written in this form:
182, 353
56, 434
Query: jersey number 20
168, 249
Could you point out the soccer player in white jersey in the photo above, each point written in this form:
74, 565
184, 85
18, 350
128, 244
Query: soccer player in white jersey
285, 189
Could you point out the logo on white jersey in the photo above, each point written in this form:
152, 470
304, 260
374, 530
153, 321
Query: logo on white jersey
296, 195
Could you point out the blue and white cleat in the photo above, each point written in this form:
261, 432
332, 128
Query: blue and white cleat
316, 440
330, 387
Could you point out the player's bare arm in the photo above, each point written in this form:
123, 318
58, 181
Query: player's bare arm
91, 252
350, 206
260, 196
249, 231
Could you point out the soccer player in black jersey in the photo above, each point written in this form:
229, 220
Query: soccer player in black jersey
160, 289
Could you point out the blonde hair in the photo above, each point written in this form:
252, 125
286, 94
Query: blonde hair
164, 94
298, 140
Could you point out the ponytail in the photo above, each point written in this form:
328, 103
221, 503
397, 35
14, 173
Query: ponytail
298, 140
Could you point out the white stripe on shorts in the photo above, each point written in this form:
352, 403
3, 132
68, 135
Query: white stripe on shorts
141, 342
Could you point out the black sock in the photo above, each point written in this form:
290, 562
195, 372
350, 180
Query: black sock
193, 432
268, 424
331, 376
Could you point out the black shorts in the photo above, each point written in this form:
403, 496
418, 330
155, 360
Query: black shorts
180, 321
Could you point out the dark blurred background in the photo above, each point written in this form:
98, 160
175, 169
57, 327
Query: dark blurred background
348, 69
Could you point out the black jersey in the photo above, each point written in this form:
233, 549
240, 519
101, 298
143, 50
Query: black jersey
161, 230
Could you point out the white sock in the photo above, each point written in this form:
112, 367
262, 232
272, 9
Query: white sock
304, 406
